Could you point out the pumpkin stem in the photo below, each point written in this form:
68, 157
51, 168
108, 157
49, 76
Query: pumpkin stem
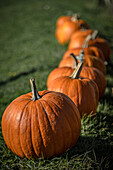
35, 95
75, 62
94, 34
80, 57
85, 45
75, 17
77, 71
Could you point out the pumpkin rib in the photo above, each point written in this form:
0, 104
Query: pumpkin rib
66, 121
77, 115
6, 135
77, 124
55, 144
12, 145
50, 127
25, 131
10, 111
39, 142
11, 129
70, 124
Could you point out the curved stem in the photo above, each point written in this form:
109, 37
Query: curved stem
75, 62
94, 34
77, 71
35, 95
89, 37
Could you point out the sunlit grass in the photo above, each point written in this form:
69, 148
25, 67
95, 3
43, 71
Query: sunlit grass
28, 47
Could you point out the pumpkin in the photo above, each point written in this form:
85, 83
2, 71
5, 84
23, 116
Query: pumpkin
88, 60
88, 72
83, 91
41, 124
93, 51
64, 32
75, 17
92, 40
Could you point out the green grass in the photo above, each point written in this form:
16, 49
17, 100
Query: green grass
28, 47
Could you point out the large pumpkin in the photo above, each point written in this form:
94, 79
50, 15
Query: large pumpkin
41, 124
83, 91
88, 60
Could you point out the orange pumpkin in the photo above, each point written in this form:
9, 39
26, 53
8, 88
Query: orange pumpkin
84, 92
41, 124
88, 60
93, 51
92, 40
88, 72
64, 32
75, 17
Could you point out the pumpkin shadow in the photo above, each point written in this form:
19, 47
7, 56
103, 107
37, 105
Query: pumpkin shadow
24, 73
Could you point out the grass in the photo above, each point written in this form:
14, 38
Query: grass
29, 48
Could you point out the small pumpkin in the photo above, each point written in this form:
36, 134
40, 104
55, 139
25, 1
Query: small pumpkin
64, 32
75, 17
83, 91
93, 51
41, 124
92, 40
88, 60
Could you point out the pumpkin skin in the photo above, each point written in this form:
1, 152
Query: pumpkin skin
64, 32
103, 45
43, 127
67, 27
94, 51
90, 61
97, 42
60, 21
83, 92
81, 32
58, 72
97, 76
